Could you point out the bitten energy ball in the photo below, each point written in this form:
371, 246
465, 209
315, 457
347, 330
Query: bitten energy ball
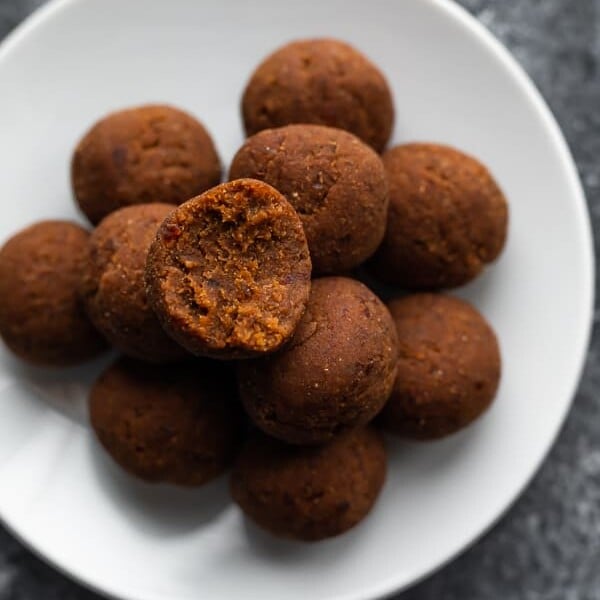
324, 82
175, 423
113, 287
309, 493
229, 271
141, 155
337, 372
447, 218
448, 367
336, 183
41, 318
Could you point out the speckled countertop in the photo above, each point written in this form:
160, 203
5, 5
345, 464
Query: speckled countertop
548, 546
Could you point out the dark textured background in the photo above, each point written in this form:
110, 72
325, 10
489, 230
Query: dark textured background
548, 546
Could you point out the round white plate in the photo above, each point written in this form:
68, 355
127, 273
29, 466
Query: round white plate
77, 59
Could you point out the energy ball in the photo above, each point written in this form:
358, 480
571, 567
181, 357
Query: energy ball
447, 218
179, 424
113, 287
309, 493
41, 318
336, 183
324, 82
140, 155
336, 373
448, 367
228, 273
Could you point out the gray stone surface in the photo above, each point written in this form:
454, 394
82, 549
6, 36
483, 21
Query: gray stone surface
548, 545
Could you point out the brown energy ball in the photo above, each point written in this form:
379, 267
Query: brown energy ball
337, 372
140, 155
228, 273
309, 493
41, 318
320, 81
336, 183
179, 424
448, 367
113, 287
447, 218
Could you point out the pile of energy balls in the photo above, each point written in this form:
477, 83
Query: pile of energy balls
245, 334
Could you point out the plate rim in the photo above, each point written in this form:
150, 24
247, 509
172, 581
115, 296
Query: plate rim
471, 25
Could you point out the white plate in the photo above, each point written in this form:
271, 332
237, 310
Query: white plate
76, 60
